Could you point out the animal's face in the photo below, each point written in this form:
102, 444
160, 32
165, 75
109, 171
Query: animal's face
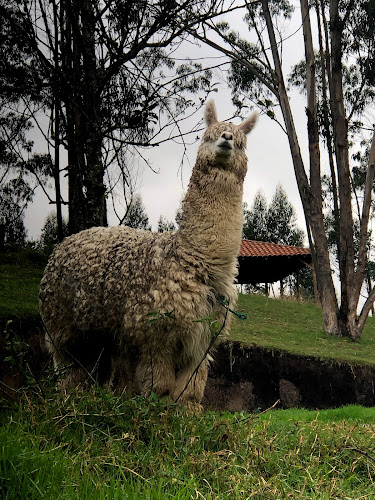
225, 140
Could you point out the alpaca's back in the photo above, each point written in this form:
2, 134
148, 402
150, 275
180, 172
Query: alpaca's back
97, 274
114, 279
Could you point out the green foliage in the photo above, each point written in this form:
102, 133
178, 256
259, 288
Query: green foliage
165, 225
98, 445
20, 75
20, 275
255, 224
136, 216
20, 170
157, 316
20, 173
49, 238
281, 220
16, 354
358, 94
15, 346
275, 223
250, 78
17, 188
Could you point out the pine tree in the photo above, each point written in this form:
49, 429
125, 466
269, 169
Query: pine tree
49, 235
255, 224
281, 220
136, 216
165, 225
275, 223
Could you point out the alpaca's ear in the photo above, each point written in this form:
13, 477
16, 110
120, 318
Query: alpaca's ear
248, 124
210, 113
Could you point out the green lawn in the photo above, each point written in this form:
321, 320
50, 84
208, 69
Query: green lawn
19, 285
100, 446
298, 328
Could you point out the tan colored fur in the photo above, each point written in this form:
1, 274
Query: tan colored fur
115, 280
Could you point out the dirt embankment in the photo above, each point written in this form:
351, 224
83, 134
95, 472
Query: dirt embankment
249, 377
242, 377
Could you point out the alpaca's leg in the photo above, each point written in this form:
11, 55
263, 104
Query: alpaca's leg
190, 382
83, 358
122, 377
72, 376
155, 373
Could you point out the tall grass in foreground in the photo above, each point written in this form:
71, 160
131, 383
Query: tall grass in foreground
95, 445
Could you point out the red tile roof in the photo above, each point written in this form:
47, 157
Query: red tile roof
251, 248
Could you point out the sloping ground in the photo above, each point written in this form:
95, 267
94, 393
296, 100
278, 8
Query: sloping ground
297, 328
242, 377
282, 353
251, 377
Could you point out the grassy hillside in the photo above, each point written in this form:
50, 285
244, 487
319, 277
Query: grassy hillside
298, 328
100, 446
20, 276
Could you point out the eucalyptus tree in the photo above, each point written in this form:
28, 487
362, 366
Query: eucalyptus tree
346, 32
22, 171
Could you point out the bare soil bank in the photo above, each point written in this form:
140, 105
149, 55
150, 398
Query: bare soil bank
249, 377
242, 377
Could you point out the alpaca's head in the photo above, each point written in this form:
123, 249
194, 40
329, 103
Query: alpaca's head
224, 143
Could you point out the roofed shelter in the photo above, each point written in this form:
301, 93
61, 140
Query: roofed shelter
262, 262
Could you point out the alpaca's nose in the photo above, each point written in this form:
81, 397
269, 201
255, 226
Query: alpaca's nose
228, 136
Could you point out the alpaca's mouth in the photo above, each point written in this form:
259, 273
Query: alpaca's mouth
225, 145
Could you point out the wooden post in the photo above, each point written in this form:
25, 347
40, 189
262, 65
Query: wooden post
298, 285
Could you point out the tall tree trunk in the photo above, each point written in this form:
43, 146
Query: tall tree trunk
311, 201
324, 51
57, 108
60, 234
348, 306
87, 203
91, 104
362, 252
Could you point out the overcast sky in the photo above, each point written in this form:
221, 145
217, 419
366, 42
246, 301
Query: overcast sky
268, 151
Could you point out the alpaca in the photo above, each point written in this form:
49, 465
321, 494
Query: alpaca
123, 306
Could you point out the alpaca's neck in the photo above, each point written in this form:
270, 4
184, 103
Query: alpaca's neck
211, 222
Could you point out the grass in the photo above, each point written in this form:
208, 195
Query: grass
298, 328
97, 445
19, 285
